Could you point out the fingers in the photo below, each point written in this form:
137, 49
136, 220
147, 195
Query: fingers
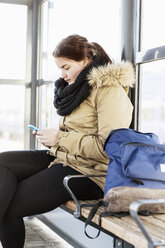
34, 132
41, 139
46, 137
37, 133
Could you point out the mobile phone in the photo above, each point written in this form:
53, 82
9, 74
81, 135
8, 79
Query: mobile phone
33, 128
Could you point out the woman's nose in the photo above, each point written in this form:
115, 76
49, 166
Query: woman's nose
63, 74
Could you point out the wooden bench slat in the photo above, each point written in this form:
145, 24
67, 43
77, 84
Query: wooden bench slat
126, 228
154, 230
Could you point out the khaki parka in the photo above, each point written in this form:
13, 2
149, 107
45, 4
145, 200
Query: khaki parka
82, 134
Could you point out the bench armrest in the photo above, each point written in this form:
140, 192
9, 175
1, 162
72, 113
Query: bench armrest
134, 206
77, 213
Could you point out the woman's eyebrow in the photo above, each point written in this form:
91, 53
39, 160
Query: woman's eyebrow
63, 66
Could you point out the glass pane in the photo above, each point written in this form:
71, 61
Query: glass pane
153, 20
97, 24
153, 99
11, 117
13, 28
47, 113
44, 41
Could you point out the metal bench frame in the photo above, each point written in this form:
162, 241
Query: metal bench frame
118, 243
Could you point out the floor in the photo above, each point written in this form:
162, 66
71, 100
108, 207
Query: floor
39, 235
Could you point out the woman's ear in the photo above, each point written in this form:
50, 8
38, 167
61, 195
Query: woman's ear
86, 62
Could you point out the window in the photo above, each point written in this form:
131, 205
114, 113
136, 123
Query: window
48, 117
11, 117
153, 20
98, 17
99, 21
152, 114
13, 26
151, 62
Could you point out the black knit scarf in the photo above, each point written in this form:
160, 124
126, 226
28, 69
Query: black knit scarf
69, 96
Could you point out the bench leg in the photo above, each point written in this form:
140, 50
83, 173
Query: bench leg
119, 243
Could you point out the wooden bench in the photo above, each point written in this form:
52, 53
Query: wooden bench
129, 231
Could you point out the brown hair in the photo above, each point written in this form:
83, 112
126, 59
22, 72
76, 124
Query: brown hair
76, 47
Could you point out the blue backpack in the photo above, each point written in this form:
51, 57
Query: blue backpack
136, 160
136, 171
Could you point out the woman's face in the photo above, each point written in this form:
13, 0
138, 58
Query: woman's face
70, 69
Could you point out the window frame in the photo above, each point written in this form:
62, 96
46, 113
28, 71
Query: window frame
145, 56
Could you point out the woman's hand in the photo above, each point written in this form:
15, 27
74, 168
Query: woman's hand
47, 137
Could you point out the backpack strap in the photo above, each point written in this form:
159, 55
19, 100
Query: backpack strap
105, 214
90, 217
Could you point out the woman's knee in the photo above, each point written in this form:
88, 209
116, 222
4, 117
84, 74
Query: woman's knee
8, 158
4, 159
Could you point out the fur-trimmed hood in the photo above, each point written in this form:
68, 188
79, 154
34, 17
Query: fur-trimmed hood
112, 74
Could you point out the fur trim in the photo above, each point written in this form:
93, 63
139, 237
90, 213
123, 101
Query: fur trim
112, 74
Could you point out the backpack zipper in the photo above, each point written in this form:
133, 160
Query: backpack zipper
144, 144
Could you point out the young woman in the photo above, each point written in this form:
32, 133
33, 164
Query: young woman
91, 97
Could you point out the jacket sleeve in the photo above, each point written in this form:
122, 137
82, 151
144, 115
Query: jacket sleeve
114, 110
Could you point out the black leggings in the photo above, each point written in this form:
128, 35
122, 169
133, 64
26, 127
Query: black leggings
28, 187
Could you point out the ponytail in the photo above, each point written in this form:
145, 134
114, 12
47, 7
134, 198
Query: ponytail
100, 52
